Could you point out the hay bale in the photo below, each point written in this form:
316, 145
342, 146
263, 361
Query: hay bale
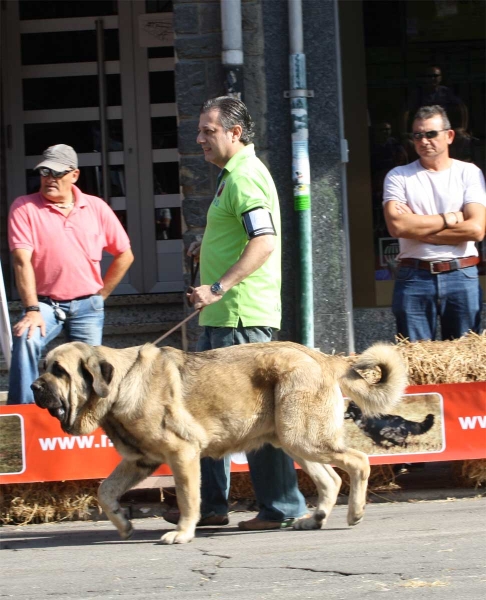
47, 502
453, 361
469, 473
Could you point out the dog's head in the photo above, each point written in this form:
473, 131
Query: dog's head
75, 374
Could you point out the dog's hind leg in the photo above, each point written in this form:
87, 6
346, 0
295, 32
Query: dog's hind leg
357, 466
328, 484
187, 474
124, 477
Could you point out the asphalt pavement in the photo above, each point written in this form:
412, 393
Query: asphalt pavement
433, 549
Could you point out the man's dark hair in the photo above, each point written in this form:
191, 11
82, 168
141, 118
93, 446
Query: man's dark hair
232, 112
427, 112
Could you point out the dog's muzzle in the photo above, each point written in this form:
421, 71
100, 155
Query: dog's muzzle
45, 398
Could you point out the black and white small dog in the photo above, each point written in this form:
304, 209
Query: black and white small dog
388, 430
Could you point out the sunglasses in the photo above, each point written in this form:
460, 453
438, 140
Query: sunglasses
430, 135
45, 172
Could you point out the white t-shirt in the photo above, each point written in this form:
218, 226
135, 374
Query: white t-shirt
432, 193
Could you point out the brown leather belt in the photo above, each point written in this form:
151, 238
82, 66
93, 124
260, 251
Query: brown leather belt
440, 266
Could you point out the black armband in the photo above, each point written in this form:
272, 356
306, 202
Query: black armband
258, 221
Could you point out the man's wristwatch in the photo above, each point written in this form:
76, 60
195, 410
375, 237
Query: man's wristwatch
218, 289
32, 309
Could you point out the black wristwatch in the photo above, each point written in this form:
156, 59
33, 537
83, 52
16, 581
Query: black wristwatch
218, 289
32, 309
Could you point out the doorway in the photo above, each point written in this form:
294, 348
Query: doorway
99, 76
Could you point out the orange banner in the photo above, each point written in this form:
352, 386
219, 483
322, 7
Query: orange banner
432, 423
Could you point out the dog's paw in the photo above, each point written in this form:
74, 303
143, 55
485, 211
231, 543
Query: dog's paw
355, 518
176, 537
127, 532
307, 523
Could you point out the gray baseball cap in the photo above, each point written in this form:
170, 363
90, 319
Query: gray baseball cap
59, 158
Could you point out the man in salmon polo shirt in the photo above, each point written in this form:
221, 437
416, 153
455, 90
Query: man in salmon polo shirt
57, 237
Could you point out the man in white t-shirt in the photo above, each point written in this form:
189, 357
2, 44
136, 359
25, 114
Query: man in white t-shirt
436, 207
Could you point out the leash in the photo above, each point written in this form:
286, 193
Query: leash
194, 272
162, 337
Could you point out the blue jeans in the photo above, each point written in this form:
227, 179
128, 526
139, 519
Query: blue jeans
420, 297
84, 323
272, 471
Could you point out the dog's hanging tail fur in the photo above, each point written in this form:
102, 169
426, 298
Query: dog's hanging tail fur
376, 398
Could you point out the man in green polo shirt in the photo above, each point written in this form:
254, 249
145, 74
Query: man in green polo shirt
240, 298
245, 192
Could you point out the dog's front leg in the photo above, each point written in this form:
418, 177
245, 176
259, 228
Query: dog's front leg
187, 474
127, 474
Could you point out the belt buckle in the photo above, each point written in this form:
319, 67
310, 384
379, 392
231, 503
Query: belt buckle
432, 268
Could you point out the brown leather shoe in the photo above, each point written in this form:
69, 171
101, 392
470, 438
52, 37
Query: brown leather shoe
212, 520
257, 524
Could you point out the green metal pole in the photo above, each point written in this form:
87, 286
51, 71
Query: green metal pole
301, 172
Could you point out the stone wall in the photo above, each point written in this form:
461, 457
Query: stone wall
198, 76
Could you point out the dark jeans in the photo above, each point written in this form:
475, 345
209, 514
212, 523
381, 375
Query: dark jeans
419, 297
272, 471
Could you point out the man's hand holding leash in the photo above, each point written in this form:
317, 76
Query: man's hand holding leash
202, 296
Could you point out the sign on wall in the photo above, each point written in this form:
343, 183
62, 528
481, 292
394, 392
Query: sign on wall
432, 423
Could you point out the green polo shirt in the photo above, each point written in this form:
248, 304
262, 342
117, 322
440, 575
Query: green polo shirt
243, 184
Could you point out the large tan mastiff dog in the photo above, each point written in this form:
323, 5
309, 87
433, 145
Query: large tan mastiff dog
162, 405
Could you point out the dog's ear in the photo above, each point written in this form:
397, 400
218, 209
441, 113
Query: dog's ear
102, 373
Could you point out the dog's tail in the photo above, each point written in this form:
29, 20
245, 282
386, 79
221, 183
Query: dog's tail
418, 428
376, 398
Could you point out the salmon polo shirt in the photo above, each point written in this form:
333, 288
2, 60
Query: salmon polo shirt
66, 250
